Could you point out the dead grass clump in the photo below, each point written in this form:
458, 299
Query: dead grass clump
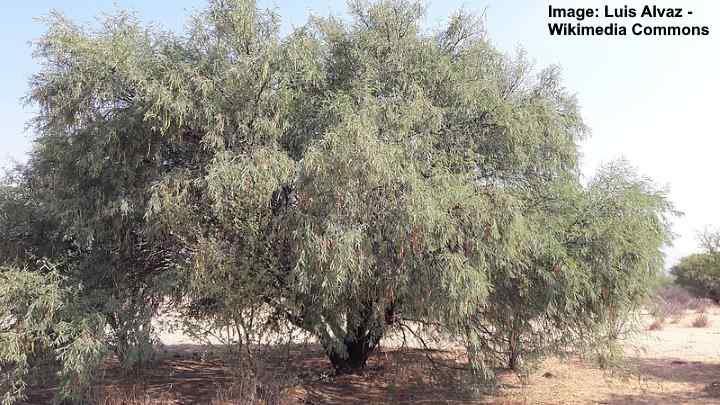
249, 385
133, 395
248, 392
700, 321
657, 324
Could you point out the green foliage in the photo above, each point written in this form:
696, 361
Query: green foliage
341, 179
42, 329
700, 272
630, 223
582, 267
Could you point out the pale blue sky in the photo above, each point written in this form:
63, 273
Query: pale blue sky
649, 99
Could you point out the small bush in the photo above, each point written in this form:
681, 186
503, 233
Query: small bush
657, 324
700, 321
671, 302
132, 395
676, 295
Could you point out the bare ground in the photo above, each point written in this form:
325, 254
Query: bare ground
679, 364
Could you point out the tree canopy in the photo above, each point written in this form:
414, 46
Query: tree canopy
344, 179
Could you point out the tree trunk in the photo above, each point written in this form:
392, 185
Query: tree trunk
514, 351
359, 343
358, 351
513, 360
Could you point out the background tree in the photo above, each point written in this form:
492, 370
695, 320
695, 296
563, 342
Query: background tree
700, 272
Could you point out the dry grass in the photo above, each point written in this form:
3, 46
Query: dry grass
657, 324
247, 387
134, 395
701, 321
661, 368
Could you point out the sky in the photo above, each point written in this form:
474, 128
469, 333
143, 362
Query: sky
650, 100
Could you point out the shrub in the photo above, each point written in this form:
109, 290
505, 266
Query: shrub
41, 328
671, 302
540, 305
657, 324
247, 389
675, 295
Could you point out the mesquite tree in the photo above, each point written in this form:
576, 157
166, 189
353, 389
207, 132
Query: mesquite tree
342, 178
352, 174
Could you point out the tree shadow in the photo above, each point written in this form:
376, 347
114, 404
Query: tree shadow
697, 373
196, 374
675, 369
405, 376
674, 398
181, 374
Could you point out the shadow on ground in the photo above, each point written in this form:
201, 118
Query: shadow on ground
195, 374
676, 370
301, 374
408, 376
675, 398
703, 375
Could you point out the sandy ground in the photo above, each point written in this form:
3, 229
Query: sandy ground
681, 340
678, 364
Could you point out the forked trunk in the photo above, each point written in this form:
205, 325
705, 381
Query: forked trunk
514, 357
359, 344
358, 351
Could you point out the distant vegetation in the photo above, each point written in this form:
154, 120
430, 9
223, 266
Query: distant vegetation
693, 284
349, 180
700, 272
